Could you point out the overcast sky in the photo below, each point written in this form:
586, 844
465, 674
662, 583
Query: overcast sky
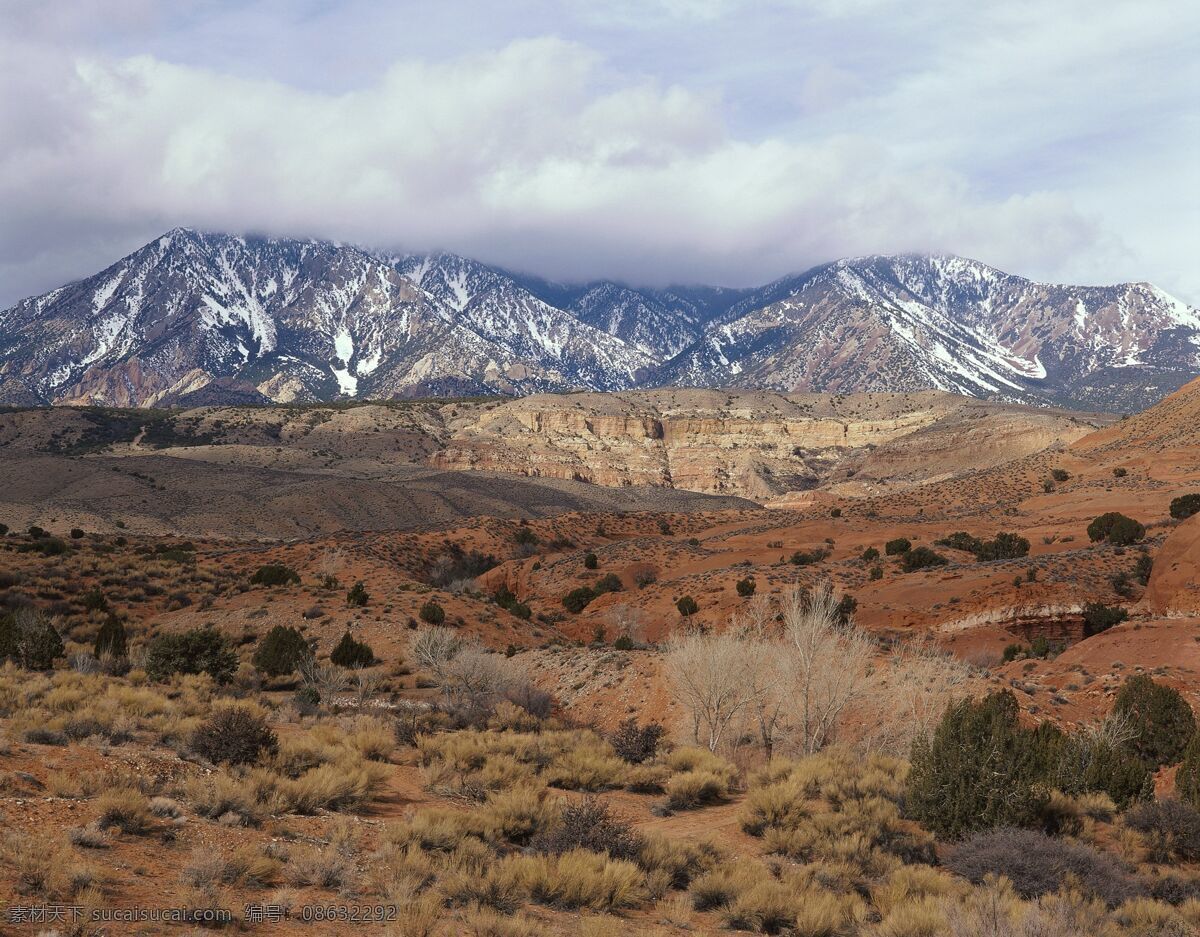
723, 141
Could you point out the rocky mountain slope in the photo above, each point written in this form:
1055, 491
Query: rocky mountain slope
212, 318
913, 322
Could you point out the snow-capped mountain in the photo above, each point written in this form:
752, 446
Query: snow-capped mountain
196, 317
289, 320
915, 321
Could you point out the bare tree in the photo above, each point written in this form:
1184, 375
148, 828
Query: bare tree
476, 678
628, 621
713, 675
434, 647
910, 692
330, 564
366, 682
767, 669
328, 680
828, 659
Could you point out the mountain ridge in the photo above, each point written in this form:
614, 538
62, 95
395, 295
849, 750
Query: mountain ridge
282, 320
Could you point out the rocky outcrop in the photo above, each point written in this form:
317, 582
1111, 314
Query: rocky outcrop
1174, 586
754, 444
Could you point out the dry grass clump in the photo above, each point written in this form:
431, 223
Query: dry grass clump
221, 796
747, 897
124, 808
325, 768
833, 808
472, 763
321, 868
581, 879
44, 868
701, 778
67, 705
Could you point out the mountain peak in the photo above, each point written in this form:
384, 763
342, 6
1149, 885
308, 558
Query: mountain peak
310, 320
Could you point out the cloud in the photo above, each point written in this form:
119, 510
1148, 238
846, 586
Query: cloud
542, 154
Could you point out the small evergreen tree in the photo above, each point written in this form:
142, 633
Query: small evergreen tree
274, 574
921, 558
10, 647
281, 651
351, 653
591, 561
200, 650
431, 613
1187, 777
610, 582
869, 555
897, 546
29, 639
357, 597
1116, 528
1089, 765
1162, 719
745, 587
577, 600
979, 770
687, 606
1185, 506
1098, 617
111, 639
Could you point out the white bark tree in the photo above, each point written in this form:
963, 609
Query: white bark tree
828, 660
713, 677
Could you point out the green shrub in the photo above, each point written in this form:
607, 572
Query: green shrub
590, 561
1119, 472
1116, 528
921, 558
808, 557
507, 600
274, 574
687, 606
610, 582
1005, 546
525, 537
897, 546
1161, 717
1060, 475
876, 573
960, 540
110, 639
1098, 617
870, 554
351, 653
980, 769
1092, 765
745, 587
200, 650
29, 638
281, 651
431, 613
94, 600
1187, 777
357, 597
577, 600
1185, 506
1143, 568
234, 735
